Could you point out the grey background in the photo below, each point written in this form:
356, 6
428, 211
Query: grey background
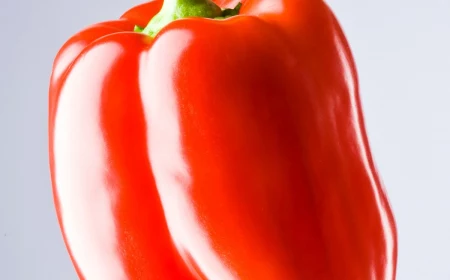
402, 53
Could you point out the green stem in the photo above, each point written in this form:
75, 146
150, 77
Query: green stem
177, 9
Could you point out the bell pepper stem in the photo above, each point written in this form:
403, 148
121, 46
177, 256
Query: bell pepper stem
177, 9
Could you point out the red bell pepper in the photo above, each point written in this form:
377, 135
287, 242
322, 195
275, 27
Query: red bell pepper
216, 143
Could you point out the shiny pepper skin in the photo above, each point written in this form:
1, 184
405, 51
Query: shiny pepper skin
220, 149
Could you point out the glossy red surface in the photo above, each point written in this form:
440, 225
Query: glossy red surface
230, 149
